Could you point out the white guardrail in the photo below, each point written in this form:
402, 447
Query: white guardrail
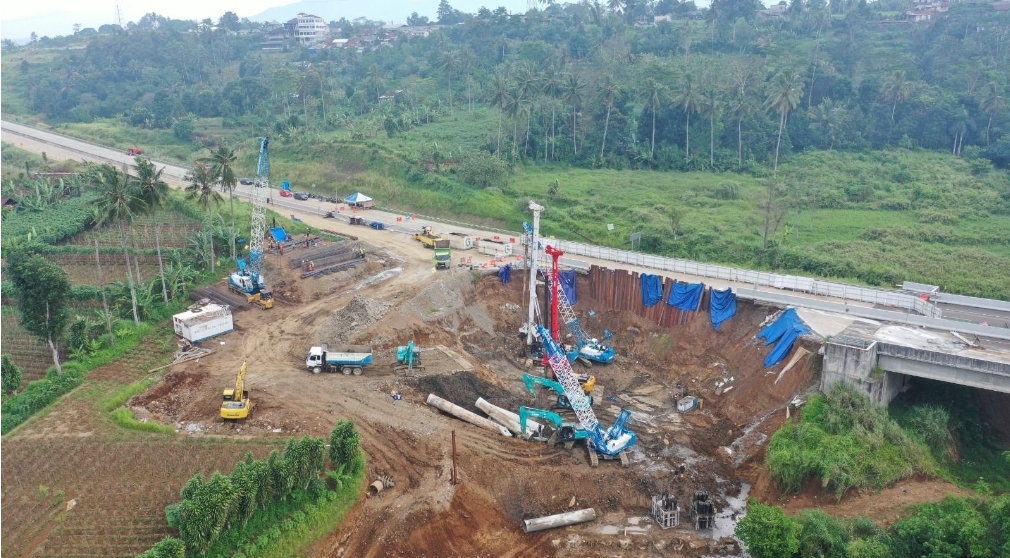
749, 277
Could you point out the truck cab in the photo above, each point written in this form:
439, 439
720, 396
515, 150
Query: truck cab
315, 359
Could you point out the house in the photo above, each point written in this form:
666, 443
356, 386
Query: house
776, 10
275, 39
307, 29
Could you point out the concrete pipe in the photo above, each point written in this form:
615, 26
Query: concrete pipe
463, 414
559, 520
509, 419
376, 487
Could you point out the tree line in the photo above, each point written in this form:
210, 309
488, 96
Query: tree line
589, 84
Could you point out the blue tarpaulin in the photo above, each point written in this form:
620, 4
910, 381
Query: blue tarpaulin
652, 289
279, 234
783, 332
721, 305
568, 284
505, 272
686, 296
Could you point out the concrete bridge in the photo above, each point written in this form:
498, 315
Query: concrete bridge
881, 360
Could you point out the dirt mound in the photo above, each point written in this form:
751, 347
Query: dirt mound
288, 291
463, 389
359, 313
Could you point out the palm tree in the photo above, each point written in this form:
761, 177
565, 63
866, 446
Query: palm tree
448, 61
961, 125
572, 94
826, 118
118, 201
467, 59
201, 188
552, 88
740, 107
529, 88
222, 163
786, 90
690, 100
609, 94
652, 99
992, 102
896, 90
711, 106
498, 96
154, 192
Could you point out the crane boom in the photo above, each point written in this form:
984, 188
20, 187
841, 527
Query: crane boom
585, 345
259, 217
608, 442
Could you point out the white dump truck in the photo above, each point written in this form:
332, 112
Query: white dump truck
349, 359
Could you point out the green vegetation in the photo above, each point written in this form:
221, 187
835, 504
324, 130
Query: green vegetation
267, 508
945, 419
954, 527
41, 393
844, 442
123, 416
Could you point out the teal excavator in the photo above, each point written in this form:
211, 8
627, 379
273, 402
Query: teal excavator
587, 383
564, 432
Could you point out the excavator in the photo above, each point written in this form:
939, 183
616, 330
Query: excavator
587, 383
564, 432
235, 402
408, 358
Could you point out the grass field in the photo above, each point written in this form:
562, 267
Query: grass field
869, 217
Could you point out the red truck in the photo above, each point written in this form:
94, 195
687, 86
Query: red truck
134, 151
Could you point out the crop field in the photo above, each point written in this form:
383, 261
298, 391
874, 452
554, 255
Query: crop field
81, 269
26, 350
175, 230
111, 502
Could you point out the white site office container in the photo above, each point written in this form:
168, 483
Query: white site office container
203, 322
488, 246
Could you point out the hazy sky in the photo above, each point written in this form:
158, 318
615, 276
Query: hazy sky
19, 18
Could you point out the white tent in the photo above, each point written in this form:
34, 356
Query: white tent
359, 200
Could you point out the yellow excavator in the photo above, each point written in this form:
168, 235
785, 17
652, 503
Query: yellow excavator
236, 403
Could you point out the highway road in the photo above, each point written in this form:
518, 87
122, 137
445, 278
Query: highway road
61, 147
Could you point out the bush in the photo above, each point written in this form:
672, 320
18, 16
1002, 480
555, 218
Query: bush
845, 442
768, 532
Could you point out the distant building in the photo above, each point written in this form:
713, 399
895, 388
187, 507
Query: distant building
776, 10
307, 29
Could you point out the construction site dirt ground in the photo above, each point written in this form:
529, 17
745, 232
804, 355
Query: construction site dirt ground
467, 324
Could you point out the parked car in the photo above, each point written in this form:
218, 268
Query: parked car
301, 196
245, 181
285, 193
377, 225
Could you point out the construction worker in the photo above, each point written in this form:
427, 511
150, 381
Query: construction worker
312, 266
361, 252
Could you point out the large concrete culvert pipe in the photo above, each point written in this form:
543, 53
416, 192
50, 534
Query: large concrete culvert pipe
559, 520
462, 414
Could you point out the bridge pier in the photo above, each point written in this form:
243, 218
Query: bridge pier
881, 369
856, 361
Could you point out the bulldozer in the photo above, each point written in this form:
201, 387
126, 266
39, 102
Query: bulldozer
235, 403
